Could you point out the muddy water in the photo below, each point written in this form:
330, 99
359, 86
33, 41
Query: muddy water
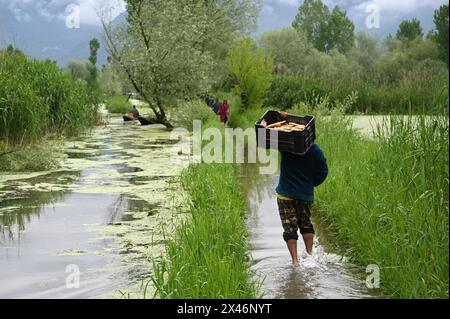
327, 276
105, 212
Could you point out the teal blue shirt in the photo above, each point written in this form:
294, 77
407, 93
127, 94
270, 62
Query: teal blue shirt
299, 174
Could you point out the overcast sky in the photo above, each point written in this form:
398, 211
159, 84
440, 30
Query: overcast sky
275, 13
39, 26
280, 13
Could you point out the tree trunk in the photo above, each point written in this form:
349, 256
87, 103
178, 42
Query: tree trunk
161, 115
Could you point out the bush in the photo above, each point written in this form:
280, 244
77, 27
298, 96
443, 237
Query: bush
418, 88
118, 104
252, 70
207, 257
188, 111
387, 202
38, 157
37, 97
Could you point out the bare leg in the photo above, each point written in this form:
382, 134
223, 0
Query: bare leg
292, 246
309, 240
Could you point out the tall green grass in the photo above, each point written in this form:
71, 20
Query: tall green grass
417, 93
207, 258
39, 156
118, 104
36, 98
387, 201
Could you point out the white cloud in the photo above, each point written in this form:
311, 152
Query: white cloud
89, 9
400, 6
15, 7
291, 3
268, 9
56, 9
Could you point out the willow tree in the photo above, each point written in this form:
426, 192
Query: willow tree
169, 49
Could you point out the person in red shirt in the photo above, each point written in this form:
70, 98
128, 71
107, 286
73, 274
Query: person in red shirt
224, 112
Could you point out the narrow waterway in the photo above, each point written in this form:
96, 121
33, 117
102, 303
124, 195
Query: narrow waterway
328, 276
103, 214
107, 211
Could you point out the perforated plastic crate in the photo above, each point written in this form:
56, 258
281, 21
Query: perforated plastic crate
291, 142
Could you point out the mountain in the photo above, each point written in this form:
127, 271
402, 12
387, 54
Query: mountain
49, 39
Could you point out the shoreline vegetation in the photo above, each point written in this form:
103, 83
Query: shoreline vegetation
387, 204
207, 256
118, 104
39, 103
386, 200
394, 215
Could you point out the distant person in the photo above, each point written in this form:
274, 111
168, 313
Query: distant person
299, 175
217, 107
224, 112
207, 100
135, 112
211, 102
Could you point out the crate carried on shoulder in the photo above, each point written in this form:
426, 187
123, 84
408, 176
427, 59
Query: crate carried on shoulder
291, 134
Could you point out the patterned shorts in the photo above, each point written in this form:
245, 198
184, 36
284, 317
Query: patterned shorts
295, 215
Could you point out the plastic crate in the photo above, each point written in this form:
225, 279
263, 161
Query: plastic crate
291, 142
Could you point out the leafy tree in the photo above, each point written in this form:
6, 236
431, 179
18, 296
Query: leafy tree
167, 49
341, 31
312, 19
79, 70
403, 55
366, 54
252, 70
288, 48
326, 31
441, 21
409, 30
108, 82
94, 45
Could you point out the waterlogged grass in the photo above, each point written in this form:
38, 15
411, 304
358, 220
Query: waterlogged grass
118, 104
40, 156
387, 201
36, 98
207, 258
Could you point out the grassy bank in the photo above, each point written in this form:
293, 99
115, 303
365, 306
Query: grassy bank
39, 102
207, 257
37, 98
118, 104
40, 156
387, 201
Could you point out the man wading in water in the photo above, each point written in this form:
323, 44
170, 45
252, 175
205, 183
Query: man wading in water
299, 174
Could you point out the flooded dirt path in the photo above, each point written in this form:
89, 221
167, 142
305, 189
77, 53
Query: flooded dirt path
327, 276
102, 214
